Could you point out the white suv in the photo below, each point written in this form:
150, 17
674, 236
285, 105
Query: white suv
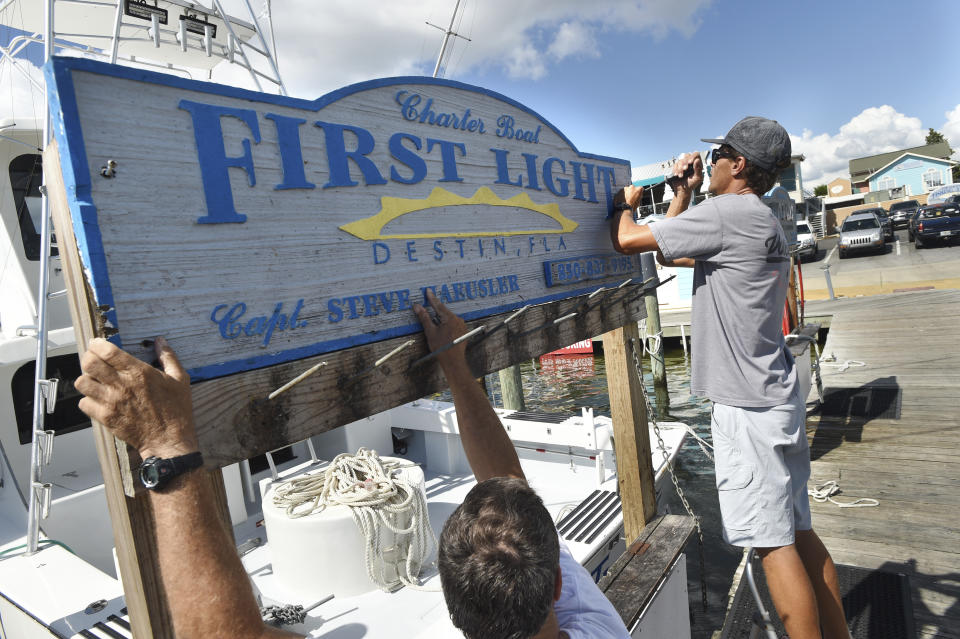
807, 239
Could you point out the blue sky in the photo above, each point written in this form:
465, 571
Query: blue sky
645, 80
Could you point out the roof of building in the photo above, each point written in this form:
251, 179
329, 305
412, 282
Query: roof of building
916, 155
861, 168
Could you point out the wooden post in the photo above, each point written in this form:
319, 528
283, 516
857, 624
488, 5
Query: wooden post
653, 328
630, 431
131, 517
511, 387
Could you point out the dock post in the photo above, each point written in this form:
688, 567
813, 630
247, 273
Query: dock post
649, 268
826, 273
511, 387
630, 430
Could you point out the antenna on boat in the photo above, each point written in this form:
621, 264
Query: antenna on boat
446, 38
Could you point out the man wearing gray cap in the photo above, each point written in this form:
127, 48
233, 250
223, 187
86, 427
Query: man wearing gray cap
740, 361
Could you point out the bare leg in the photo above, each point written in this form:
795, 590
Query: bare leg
823, 577
791, 590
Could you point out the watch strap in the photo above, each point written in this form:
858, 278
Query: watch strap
165, 470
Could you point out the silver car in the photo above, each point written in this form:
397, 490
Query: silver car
860, 232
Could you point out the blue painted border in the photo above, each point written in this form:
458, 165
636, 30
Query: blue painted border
66, 119
76, 177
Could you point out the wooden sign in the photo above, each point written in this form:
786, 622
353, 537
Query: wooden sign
254, 229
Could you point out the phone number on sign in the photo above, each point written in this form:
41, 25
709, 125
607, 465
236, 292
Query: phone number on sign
589, 267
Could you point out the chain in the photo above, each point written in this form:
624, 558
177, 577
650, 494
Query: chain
652, 418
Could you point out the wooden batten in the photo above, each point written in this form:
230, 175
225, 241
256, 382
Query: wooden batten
235, 420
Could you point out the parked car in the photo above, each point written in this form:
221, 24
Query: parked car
860, 232
912, 222
937, 222
885, 221
901, 212
807, 239
953, 199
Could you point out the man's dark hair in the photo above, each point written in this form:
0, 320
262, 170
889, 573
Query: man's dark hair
498, 561
758, 180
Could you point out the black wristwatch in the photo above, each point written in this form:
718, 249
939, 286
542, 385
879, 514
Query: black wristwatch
155, 473
622, 206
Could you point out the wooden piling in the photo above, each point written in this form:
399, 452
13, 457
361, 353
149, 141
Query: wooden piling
511, 387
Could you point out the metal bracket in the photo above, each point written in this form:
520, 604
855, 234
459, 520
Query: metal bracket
48, 388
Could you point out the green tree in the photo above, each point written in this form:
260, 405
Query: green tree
935, 137
820, 190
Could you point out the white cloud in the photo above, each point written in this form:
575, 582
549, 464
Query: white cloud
874, 130
573, 38
951, 130
352, 40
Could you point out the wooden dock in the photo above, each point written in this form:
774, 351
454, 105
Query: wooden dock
895, 438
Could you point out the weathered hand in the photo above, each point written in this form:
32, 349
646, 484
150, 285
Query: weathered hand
150, 409
447, 327
632, 195
684, 162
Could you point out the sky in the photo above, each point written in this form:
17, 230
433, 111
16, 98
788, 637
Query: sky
644, 81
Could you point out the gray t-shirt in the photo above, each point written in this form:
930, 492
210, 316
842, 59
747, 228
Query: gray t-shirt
740, 283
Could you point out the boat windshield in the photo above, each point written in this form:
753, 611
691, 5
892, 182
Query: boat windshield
26, 176
859, 225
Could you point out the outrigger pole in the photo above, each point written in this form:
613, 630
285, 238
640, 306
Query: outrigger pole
446, 38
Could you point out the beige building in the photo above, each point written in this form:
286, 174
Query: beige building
839, 187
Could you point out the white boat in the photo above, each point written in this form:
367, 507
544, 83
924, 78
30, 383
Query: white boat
69, 587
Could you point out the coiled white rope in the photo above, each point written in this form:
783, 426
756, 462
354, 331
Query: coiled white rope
825, 492
378, 498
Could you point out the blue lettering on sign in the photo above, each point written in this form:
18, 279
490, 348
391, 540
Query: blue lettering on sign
350, 150
214, 163
231, 322
507, 128
587, 267
411, 110
482, 247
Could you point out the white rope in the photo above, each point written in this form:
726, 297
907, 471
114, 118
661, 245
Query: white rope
825, 492
832, 362
378, 498
704, 444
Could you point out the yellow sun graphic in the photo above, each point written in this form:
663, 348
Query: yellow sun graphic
391, 208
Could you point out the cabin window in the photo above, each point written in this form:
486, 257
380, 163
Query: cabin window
26, 176
67, 416
788, 178
932, 179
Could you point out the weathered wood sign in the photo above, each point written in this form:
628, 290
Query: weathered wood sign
255, 229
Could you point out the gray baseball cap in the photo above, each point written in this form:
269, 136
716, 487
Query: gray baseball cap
763, 142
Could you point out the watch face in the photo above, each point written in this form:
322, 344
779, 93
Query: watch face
149, 474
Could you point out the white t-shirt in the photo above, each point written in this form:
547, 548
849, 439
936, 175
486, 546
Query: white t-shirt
583, 612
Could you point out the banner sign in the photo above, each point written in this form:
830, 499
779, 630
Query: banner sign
252, 229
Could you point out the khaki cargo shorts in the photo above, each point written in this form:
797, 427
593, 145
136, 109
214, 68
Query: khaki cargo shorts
762, 465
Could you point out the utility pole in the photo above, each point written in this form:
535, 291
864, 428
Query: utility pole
446, 38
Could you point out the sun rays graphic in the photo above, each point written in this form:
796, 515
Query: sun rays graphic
392, 208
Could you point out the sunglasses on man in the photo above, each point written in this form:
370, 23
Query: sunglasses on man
721, 152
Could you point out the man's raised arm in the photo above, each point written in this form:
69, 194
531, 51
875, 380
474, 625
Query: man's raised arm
207, 589
485, 442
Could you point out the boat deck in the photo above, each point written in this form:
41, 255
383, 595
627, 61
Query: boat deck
894, 437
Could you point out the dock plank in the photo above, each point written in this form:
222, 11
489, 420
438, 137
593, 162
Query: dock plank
911, 464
